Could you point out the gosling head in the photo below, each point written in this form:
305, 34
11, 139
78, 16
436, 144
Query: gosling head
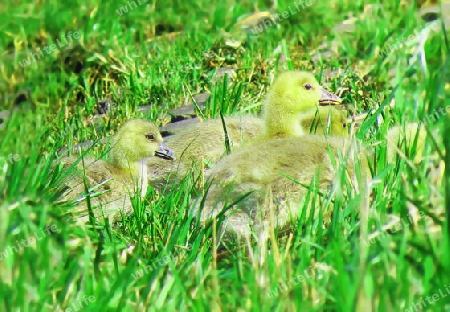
136, 140
299, 91
293, 93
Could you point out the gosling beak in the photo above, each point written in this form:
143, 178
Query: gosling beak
164, 152
328, 98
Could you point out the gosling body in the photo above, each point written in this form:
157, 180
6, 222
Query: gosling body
203, 144
266, 176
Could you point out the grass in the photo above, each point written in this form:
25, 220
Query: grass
161, 53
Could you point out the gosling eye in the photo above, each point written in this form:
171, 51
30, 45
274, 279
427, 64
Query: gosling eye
344, 125
150, 136
307, 86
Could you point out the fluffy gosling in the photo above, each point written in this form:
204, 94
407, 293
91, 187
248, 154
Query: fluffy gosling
111, 182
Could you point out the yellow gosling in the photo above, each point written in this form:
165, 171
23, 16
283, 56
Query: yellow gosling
112, 182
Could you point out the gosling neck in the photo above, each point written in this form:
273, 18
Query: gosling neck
143, 177
137, 170
282, 123
121, 159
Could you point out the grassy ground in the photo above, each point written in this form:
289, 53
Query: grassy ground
159, 54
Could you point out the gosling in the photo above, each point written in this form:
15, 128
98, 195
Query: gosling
111, 183
293, 94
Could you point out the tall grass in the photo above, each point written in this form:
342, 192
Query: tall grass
386, 249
